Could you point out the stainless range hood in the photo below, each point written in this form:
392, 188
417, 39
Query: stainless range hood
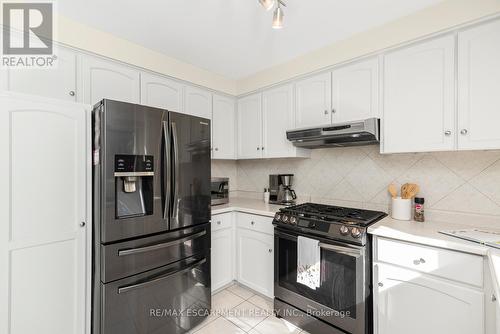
366, 132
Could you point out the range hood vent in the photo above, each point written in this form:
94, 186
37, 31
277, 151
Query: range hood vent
357, 133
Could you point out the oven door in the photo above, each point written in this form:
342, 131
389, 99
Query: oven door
341, 299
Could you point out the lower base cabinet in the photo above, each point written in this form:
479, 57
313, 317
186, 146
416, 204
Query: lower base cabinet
410, 302
256, 261
243, 250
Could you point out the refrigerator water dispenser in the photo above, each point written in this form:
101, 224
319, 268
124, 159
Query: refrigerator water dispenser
134, 185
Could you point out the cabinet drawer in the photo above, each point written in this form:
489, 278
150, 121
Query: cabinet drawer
466, 268
222, 221
255, 223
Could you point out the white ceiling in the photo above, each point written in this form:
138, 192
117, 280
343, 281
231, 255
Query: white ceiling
234, 37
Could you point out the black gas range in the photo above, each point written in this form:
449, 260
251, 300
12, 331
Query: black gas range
342, 302
340, 223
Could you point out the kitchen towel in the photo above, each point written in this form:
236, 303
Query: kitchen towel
308, 262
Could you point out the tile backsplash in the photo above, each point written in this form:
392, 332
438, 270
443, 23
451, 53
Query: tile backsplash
467, 182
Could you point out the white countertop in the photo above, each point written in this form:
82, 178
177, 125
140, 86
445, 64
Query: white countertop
252, 206
427, 233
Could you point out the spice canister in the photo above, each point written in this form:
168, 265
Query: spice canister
418, 214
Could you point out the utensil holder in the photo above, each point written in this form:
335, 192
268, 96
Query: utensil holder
401, 208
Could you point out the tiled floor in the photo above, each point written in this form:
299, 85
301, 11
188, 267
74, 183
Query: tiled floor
237, 310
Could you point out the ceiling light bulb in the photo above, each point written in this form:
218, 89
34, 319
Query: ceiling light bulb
278, 17
267, 4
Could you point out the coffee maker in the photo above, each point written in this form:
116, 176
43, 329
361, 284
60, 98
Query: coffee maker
280, 189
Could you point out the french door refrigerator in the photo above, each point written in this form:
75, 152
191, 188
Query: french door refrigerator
151, 211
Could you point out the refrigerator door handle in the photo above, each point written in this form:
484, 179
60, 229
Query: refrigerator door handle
175, 175
165, 169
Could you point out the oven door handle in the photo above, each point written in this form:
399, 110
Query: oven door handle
343, 250
161, 278
132, 251
351, 251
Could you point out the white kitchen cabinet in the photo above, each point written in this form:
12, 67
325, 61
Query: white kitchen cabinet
223, 249
479, 87
223, 128
355, 91
59, 82
419, 98
313, 100
110, 80
250, 127
160, 92
256, 260
413, 303
277, 117
43, 202
198, 102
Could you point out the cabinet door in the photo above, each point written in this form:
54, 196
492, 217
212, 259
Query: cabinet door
223, 128
58, 82
222, 252
419, 107
277, 118
412, 303
198, 102
250, 127
313, 98
110, 80
479, 87
355, 91
42, 203
160, 92
256, 261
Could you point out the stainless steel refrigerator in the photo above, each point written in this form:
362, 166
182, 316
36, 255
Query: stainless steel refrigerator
151, 219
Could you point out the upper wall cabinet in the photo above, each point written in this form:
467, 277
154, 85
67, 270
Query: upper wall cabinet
110, 80
198, 102
355, 91
479, 87
419, 99
250, 127
278, 117
223, 128
58, 82
160, 92
313, 100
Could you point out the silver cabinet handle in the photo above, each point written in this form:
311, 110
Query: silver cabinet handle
493, 298
262, 148
258, 148
270, 250
253, 223
333, 111
380, 284
418, 261
216, 148
82, 224
326, 112
447, 133
218, 223
71, 93
463, 132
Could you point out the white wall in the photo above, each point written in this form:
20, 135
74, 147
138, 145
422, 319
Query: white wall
446, 15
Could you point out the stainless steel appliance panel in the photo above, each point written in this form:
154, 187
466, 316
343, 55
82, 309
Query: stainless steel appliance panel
341, 299
128, 129
171, 299
191, 170
139, 255
220, 190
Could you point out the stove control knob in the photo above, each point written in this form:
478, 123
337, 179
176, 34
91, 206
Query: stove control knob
293, 220
355, 232
344, 230
284, 219
277, 217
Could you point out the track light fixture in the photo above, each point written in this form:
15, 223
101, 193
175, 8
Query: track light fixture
278, 11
